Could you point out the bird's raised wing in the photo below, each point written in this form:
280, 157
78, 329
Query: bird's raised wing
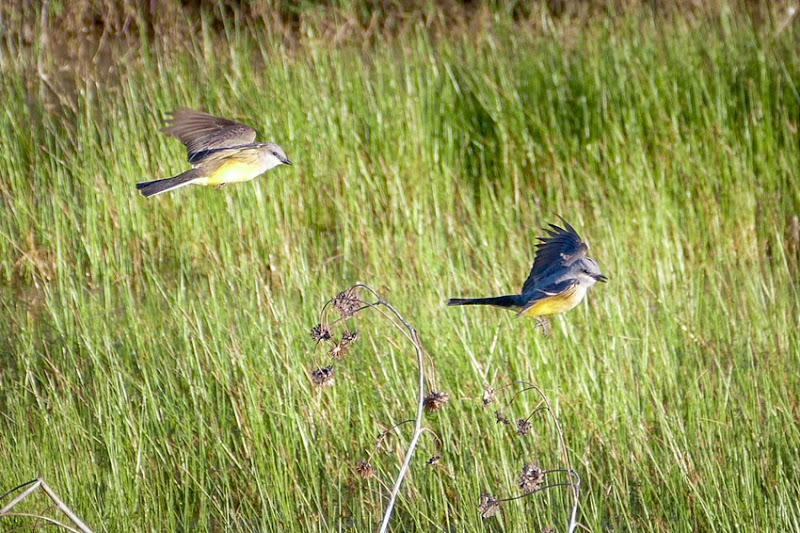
203, 133
558, 249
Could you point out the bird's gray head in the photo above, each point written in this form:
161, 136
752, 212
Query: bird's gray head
587, 272
275, 155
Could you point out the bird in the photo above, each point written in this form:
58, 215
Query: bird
559, 278
221, 151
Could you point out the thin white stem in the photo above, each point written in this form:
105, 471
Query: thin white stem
64, 509
573, 522
44, 519
39, 483
21, 497
576, 490
418, 429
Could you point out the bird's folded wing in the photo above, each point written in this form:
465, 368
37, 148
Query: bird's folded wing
556, 290
558, 249
203, 133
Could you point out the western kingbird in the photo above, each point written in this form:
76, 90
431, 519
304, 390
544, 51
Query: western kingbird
221, 151
560, 276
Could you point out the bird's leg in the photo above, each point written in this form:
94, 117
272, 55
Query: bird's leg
221, 185
542, 322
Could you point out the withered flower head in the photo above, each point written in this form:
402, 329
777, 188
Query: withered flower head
347, 303
523, 426
349, 337
364, 469
434, 460
321, 332
337, 352
340, 349
323, 377
488, 506
531, 479
488, 395
501, 418
435, 401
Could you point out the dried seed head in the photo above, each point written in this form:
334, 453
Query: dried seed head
523, 427
364, 469
501, 418
434, 460
488, 395
488, 506
531, 479
323, 377
321, 332
337, 352
435, 401
340, 349
347, 303
349, 337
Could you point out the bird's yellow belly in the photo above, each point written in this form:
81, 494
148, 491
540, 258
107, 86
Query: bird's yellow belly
234, 172
558, 303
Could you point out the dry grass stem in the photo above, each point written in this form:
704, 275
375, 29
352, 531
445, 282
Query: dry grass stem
348, 304
33, 486
532, 477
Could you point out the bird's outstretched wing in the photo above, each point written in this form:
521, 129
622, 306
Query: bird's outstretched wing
203, 133
558, 249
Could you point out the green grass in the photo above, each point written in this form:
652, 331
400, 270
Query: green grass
154, 354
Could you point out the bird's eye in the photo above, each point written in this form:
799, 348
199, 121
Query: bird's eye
275, 154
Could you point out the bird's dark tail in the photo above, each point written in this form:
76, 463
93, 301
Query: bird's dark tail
499, 301
151, 188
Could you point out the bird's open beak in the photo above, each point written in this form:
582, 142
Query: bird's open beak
287, 162
601, 277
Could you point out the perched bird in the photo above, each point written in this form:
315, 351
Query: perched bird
221, 151
560, 276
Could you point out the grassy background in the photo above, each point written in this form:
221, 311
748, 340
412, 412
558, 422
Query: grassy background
154, 355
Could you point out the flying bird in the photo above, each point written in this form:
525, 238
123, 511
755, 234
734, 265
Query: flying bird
559, 278
221, 151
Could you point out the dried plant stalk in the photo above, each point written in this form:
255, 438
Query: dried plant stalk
35, 485
532, 477
348, 303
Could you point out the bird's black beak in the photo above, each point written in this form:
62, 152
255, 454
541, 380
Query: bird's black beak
287, 162
601, 277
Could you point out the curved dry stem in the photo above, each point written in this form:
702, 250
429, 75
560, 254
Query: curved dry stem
439, 441
537, 410
573, 524
43, 519
549, 408
32, 487
540, 489
15, 489
414, 337
403, 328
385, 433
397, 320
